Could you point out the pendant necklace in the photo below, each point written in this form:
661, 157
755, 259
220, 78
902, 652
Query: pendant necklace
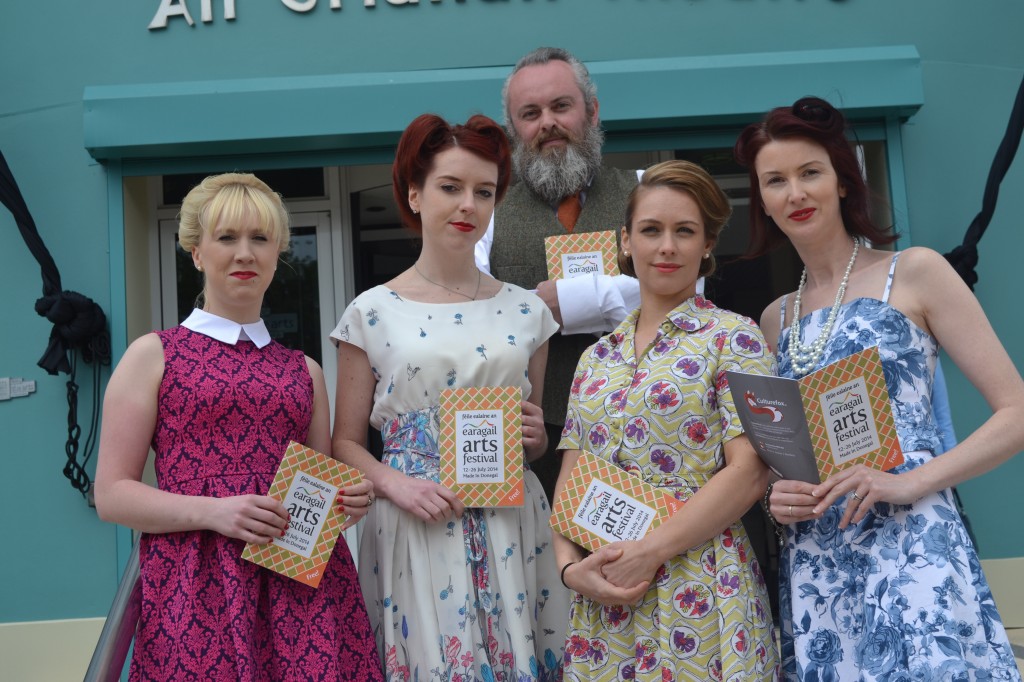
805, 358
416, 267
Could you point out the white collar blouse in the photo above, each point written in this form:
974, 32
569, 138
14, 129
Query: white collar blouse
225, 330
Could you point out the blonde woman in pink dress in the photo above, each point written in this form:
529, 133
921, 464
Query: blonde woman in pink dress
218, 401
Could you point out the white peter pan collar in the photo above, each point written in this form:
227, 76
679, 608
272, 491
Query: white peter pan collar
225, 330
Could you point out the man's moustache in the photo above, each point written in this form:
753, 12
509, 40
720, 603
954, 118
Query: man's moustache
547, 138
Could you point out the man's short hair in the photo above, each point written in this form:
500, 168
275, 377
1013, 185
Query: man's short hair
543, 55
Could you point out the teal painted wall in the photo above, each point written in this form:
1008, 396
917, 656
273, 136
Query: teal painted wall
972, 62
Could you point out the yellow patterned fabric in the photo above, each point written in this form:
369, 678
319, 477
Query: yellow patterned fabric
665, 419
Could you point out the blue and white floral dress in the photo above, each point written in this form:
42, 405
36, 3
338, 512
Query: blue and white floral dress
900, 595
476, 599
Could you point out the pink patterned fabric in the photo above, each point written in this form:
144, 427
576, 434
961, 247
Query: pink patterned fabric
225, 416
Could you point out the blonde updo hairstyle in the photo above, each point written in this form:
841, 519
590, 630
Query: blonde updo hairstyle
682, 176
231, 199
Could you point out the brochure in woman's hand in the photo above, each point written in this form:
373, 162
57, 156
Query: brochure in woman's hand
481, 445
307, 483
602, 502
807, 429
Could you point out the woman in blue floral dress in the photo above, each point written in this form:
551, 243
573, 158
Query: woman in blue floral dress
453, 593
879, 579
688, 600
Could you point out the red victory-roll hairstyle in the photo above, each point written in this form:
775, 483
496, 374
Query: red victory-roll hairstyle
429, 135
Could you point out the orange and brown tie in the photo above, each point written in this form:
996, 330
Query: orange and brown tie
569, 211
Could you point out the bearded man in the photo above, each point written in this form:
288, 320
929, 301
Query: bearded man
551, 117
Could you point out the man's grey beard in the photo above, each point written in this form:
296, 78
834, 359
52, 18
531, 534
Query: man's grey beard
563, 172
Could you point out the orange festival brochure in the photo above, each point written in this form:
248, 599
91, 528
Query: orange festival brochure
481, 445
603, 503
573, 255
307, 483
810, 428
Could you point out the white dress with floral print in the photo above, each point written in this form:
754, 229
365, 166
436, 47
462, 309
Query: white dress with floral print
665, 419
476, 599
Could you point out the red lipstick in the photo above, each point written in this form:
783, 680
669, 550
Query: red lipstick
666, 267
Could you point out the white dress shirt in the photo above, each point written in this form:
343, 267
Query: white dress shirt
590, 304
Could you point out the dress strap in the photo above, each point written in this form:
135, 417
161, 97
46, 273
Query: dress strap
782, 314
888, 281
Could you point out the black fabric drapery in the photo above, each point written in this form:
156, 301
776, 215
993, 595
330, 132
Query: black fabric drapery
79, 325
964, 258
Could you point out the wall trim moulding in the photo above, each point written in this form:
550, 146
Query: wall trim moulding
369, 110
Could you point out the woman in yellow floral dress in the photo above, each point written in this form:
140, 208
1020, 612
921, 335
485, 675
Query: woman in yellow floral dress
687, 601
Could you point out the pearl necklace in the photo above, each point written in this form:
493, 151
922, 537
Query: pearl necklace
805, 358
416, 267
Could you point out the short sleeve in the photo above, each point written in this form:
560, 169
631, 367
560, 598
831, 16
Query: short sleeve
572, 432
355, 322
548, 326
534, 315
744, 350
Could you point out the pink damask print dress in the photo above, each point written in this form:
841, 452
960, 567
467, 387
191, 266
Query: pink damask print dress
665, 419
226, 413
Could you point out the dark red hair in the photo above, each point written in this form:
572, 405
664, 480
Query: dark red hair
815, 120
429, 135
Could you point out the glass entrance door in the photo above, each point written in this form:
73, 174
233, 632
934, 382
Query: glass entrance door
299, 306
381, 247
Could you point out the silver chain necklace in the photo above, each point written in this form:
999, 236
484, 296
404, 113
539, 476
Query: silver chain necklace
805, 358
416, 267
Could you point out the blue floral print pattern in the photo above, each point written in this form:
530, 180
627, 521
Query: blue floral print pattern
900, 595
476, 599
665, 418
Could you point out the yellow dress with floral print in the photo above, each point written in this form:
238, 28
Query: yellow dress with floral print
665, 418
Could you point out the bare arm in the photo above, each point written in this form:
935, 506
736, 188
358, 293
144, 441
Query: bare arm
129, 421
353, 500
957, 320
770, 324
535, 436
716, 506
319, 437
929, 291
426, 500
